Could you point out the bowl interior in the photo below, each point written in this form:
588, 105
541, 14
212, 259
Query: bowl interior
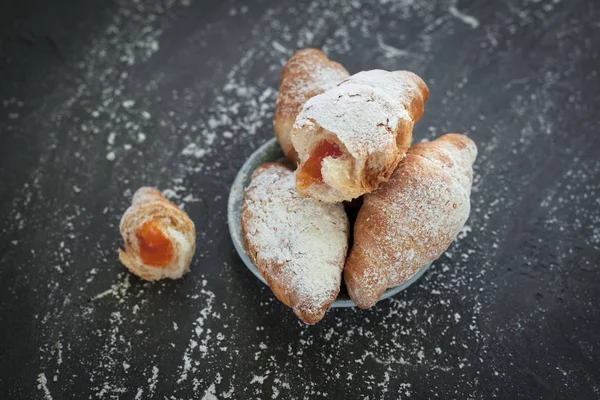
271, 152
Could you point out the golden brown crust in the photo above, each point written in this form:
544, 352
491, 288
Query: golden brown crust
417, 103
411, 219
149, 204
309, 72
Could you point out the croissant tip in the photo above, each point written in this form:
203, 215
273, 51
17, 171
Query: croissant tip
309, 317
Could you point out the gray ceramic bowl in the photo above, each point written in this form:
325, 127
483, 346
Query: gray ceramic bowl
271, 152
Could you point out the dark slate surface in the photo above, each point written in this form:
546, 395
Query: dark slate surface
99, 98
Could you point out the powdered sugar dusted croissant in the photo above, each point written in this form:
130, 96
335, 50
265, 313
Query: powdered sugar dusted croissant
411, 219
351, 138
160, 239
309, 72
299, 245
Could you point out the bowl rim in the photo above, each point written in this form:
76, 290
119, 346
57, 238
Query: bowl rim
234, 204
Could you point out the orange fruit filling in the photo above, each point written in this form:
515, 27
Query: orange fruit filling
156, 249
311, 170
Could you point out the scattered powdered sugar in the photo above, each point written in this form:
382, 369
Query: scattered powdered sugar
258, 379
278, 46
201, 337
298, 243
390, 51
153, 380
117, 290
388, 351
467, 19
464, 232
210, 393
42, 385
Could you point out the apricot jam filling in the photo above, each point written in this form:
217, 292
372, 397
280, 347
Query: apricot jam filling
156, 249
311, 170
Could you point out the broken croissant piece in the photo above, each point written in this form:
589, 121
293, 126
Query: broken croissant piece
350, 138
309, 72
299, 245
411, 219
160, 239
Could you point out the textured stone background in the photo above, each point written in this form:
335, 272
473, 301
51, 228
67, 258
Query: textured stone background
99, 98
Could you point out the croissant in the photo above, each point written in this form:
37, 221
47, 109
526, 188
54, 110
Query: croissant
309, 72
160, 239
411, 219
299, 245
350, 138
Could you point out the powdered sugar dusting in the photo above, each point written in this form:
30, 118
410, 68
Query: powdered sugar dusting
513, 280
300, 243
363, 112
42, 385
370, 117
467, 19
322, 77
310, 74
210, 393
411, 219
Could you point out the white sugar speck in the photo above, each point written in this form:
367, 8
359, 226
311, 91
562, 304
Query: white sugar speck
210, 393
279, 47
467, 19
193, 150
390, 51
153, 380
258, 379
42, 385
464, 232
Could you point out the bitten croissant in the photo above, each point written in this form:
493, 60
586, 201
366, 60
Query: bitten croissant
351, 138
160, 239
411, 219
309, 72
299, 245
